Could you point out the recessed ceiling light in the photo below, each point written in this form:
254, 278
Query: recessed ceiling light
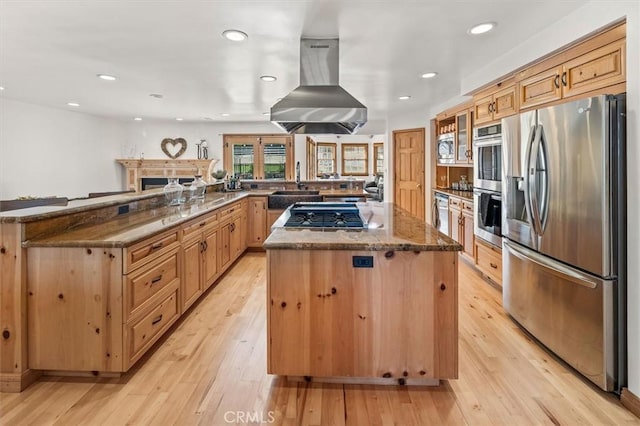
266, 113
137, 118
107, 77
225, 114
482, 28
1, 88
207, 118
235, 35
179, 119
268, 78
404, 98
73, 104
156, 95
429, 74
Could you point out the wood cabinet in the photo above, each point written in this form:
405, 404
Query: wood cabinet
200, 258
488, 107
232, 234
99, 309
272, 216
257, 221
396, 319
599, 68
461, 224
488, 259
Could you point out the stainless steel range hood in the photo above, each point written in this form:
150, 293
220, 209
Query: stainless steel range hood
319, 104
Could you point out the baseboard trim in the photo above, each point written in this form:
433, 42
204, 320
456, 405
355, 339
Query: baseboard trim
16, 383
367, 380
630, 401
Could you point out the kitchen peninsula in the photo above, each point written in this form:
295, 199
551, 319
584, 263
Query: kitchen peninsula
376, 305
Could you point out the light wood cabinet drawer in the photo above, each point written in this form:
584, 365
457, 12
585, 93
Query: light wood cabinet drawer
147, 250
468, 206
226, 212
143, 333
457, 202
489, 261
142, 285
193, 228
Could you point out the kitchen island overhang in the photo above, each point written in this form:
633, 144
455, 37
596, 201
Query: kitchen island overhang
377, 305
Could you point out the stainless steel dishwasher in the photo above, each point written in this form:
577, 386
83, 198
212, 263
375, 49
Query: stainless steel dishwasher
440, 215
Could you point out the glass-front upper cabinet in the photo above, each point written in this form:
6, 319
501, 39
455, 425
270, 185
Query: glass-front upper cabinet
258, 156
463, 142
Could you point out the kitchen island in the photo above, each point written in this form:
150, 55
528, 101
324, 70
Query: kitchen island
375, 305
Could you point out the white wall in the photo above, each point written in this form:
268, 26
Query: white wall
54, 152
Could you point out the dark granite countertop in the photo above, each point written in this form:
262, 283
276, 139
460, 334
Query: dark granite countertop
389, 228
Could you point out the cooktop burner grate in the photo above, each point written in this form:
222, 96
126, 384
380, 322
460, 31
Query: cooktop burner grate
329, 215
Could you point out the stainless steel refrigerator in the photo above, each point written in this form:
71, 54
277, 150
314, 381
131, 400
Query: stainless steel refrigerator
564, 232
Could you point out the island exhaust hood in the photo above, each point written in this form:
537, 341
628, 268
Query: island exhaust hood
319, 104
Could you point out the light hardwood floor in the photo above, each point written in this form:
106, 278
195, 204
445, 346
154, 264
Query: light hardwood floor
210, 370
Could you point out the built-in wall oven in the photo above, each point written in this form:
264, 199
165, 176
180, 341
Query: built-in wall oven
487, 181
487, 157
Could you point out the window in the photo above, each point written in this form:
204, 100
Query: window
326, 157
355, 159
378, 158
259, 157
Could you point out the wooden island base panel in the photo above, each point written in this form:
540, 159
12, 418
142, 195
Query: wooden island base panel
377, 306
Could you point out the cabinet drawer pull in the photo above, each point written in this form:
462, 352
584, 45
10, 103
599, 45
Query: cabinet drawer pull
203, 223
201, 247
156, 279
157, 246
556, 81
206, 245
157, 320
493, 265
564, 79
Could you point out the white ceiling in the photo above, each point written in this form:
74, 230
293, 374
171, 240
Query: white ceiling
51, 51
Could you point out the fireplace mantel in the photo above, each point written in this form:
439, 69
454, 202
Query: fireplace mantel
138, 169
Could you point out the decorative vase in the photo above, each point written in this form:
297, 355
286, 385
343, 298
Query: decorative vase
197, 189
173, 192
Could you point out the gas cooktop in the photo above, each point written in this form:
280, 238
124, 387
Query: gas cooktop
325, 215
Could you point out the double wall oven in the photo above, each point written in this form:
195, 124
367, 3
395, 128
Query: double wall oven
487, 191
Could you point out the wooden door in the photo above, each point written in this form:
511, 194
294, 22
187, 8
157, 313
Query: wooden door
505, 103
191, 285
224, 245
597, 69
541, 88
467, 228
257, 226
408, 146
482, 110
454, 224
210, 258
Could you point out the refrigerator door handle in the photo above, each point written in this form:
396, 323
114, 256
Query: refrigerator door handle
544, 171
550, 265
532, 187
527, 185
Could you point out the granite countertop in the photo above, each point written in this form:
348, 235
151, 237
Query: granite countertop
389, 228
467, 195
130, 228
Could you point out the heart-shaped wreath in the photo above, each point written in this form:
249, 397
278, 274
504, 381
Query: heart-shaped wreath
173, 142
